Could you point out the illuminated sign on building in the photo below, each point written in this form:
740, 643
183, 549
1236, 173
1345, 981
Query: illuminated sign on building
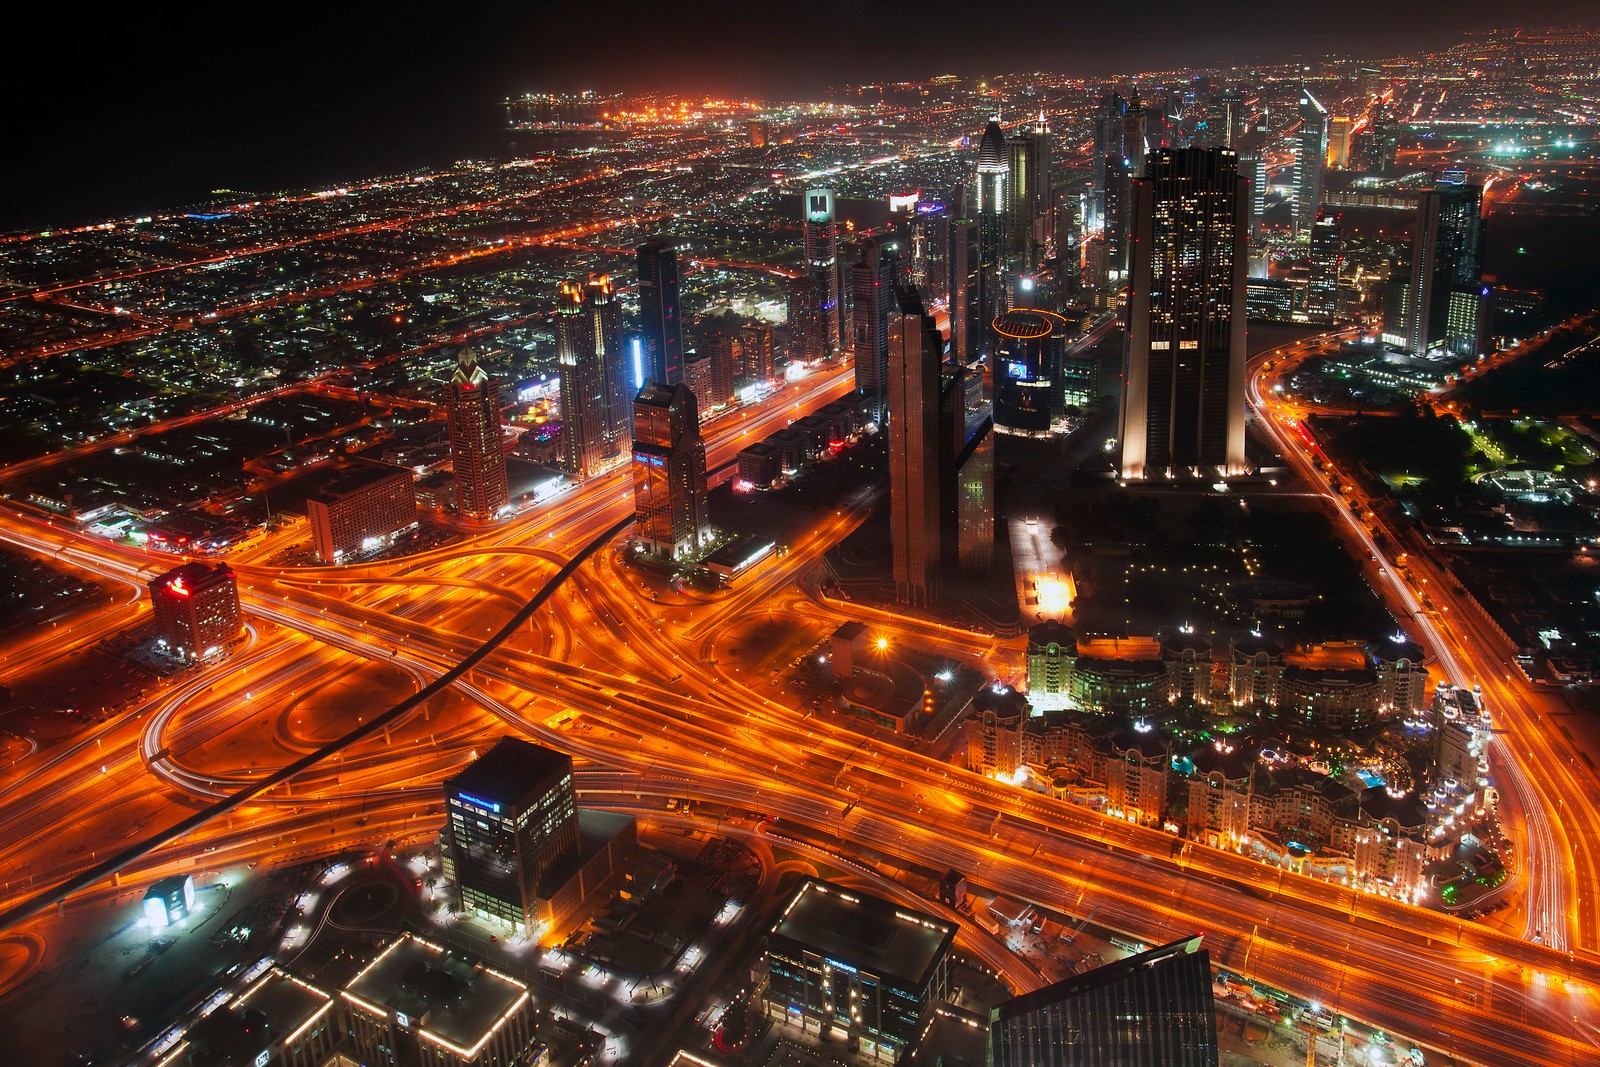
468, 798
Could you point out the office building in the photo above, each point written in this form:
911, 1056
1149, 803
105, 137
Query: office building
1183, 394
928, 236
660, 322
1136, 135
1080, 381
594, 388
1153, 1009
966, 475
419, 1004
1440, 301
965, 283
1027, 204
362, 509
1310, 160
196, 611
821, 239
757, 354
1253, 165
1118, 218
477, 454
511, 831
758, 132
842, 963
278, 1020
914, 450
872, 296
1339, 129
1107, 121
669, 472
1322, 285
989, 203
1027, 370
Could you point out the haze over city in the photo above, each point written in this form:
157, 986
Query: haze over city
541, 536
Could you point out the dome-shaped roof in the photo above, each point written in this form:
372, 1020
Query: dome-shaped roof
992, 149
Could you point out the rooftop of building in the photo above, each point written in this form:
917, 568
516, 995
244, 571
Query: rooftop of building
1052, 632
1343, 655
1109, 975
865, 932
446, 995
1119, 647
181, 581
509, 771
272, 1009
355, 475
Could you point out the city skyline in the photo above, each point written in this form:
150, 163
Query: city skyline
724, 574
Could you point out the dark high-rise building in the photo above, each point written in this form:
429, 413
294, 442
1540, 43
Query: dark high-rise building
1136, 135
669, 471
1310, 159
362, 508
1322, 287
1184, 366
1027, 194
472, 404
1027, 370
1107, 145
594, 388
1118, 220
993, 179
929, 238
808, 322
915, 360
512, 830
821, 236
965, 284
660, 324
757, 358
842, 961
1154, 1009
1441, 301
196, 610
872, 296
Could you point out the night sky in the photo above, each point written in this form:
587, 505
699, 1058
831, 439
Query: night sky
136, 108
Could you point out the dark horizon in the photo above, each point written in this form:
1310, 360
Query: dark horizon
121, 115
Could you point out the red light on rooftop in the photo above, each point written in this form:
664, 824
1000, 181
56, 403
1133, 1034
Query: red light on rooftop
177, 588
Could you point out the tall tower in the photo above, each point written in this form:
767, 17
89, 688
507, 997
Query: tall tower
930, 250
821, 235
1310, 160
660, 323
1184, 365
993, 180
1118, 212
1136, 135
669, 471
872, 293
1322, 290
965, 284
914, 451
1107, 145
1440, 300
594, 392
1027, 370
472, 406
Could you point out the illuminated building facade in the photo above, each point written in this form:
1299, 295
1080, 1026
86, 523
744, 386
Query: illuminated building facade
840, 962
669, 472
511, 830
278, 1020
660, 324
872, 294
472, 405
1027, 370
1027, 208
1183, 394
1441, 301
993, 183
914, 468
1322, 288
420, 1004
929, 239
594, 387
1153, 1009
821, 238
965, 283
196, 610
366, 506
1310, 160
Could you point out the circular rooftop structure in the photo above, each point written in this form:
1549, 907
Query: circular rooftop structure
1028, 324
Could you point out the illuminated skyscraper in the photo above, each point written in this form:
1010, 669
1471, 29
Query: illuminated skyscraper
872, 296
993, 180
1339, 127
512, 829
1440, 301
1136, 135
1154, 1009
914, 467
594, 389
821, 235
1027, 204
196, 610
1310, 160
1322, 289
1107, 145
472, 405
929, 237
1184, 367
1118, 212
965, 285
1027, 370
669, 471
660, 324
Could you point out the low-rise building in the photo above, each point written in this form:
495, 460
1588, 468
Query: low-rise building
364, 507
